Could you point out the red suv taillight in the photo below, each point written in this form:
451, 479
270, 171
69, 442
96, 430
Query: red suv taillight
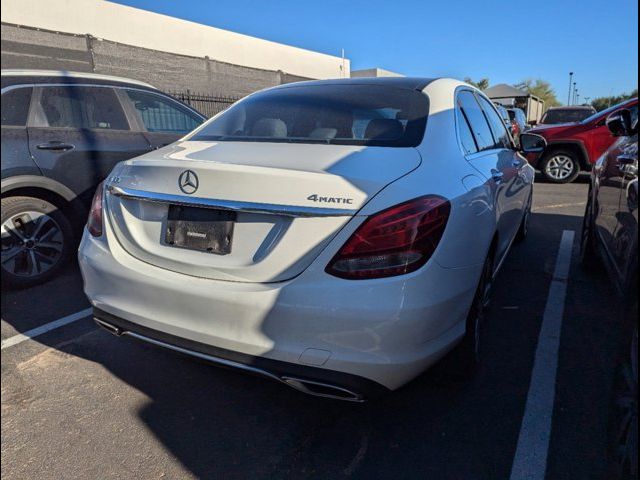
94, 222
395, 241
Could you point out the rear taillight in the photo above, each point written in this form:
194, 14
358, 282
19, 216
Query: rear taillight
94, 222
395, 241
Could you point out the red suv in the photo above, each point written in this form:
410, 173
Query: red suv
572, 147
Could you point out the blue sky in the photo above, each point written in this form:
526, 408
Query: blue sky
506, 41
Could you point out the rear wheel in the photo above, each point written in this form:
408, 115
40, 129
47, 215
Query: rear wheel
560, 166
468, 354
37, 240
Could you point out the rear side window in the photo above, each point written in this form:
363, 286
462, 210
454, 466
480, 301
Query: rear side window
15, 106
357, 114
496, 122
160, 114
82, 107
464, 131
477, 121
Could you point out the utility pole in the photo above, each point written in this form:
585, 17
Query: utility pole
577, 98
570, 83
575, 89
586, 100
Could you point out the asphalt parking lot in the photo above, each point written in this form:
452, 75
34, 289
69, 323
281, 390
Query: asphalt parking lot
78, 402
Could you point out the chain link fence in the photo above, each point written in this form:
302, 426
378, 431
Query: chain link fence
207, 104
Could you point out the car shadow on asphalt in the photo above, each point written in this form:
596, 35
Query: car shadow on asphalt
223, 424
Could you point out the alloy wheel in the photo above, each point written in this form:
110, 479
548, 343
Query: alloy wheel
560, 167
32, 243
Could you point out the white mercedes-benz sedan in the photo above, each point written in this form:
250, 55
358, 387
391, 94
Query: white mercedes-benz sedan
338, 236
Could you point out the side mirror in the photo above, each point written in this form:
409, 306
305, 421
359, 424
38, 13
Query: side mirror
533, 123
532, 143
619, 123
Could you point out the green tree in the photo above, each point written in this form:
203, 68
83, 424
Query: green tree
602, 103
481, 84
541, 89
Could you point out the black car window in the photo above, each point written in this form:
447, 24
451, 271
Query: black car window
497, 124
15, 106
477, 121
357, 114
160, 114
464, 132
83, 107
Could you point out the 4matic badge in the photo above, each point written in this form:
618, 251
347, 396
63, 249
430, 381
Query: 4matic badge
317, 198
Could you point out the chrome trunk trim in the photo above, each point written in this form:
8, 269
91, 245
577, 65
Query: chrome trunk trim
249, 207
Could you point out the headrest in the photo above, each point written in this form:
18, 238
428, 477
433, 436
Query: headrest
269, 127
323, 133
384, 129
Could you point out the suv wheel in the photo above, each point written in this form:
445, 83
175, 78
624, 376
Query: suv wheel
560, 166
37, 240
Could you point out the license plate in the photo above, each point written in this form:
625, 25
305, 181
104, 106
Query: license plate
201, 229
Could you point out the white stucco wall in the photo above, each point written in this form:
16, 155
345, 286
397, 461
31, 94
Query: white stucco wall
141, 28
374, 72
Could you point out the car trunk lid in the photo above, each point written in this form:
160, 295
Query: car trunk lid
288, 201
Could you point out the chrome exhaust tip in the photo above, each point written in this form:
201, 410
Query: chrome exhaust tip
117, 331
324, 390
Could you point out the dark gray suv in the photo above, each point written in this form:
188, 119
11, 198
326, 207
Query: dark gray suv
62, 133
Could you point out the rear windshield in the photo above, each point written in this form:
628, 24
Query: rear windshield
369, 115
566, 116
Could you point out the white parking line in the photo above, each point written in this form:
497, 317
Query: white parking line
530, 461
47, 327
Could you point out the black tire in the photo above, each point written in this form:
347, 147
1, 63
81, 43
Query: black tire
560, 166
523, 230
467, 356
37, 241
589, 258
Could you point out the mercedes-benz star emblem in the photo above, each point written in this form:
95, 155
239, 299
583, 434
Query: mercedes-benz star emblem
188, 182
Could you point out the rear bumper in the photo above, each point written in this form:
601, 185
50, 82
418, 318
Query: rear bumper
310, 380
352, 334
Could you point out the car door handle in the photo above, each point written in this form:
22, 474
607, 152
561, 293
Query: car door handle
497, 175
56, 146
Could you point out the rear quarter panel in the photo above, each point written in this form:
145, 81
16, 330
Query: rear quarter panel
444, 171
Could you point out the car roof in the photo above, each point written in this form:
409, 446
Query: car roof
409, 83
64, 76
